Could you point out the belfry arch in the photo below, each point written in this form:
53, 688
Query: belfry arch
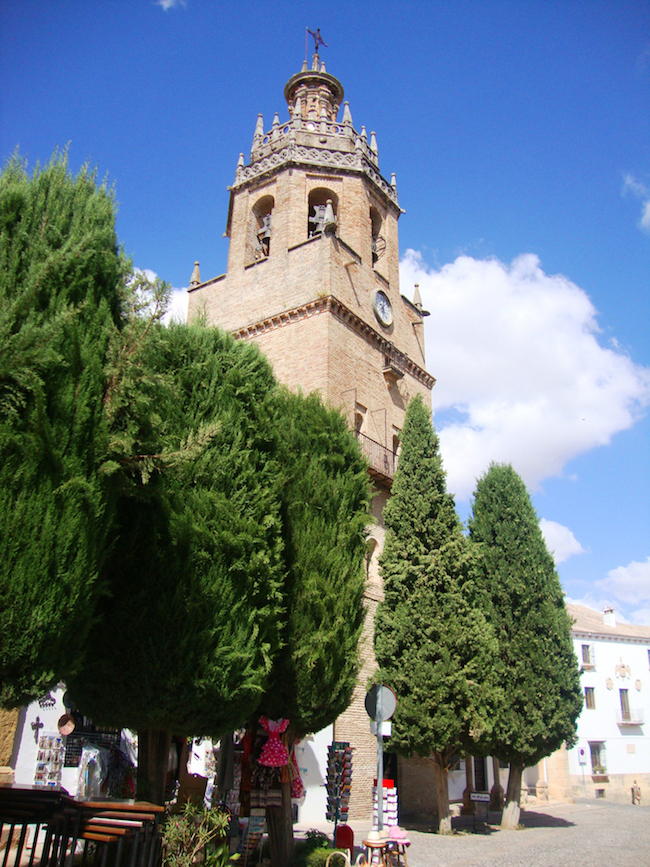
260, 230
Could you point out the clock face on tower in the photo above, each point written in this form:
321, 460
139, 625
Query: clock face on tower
383, 309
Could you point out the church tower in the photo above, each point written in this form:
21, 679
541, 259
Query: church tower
313, 279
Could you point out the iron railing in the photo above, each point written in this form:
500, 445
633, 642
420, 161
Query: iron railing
632, 717
382, 461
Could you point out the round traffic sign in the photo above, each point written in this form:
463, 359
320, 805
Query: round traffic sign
388, 701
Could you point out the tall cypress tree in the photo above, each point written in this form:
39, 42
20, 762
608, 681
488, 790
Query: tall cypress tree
538, 670
60, 301
432, 642
325, 512
325, 493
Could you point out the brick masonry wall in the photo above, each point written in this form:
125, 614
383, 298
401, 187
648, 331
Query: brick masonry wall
354, 726
300, 269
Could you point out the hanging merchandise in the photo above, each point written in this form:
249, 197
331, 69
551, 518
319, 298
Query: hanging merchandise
339, 781
93, 767
49, 760
252, 836
269, 763
274, 752
266, 787
389, 804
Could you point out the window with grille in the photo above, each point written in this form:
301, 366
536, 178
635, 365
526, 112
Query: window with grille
598, 757
625, 705
588, 659
590, 698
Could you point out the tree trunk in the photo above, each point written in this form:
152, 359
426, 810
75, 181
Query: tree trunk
468, 804
442, 793
496, 792
153, 755
280, 826
512, 811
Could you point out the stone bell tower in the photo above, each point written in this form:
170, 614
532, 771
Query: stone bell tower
313, 279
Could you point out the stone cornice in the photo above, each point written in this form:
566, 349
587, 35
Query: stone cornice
330, 304
591, 635
294, 154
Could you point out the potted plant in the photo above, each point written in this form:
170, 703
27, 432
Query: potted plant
196, 836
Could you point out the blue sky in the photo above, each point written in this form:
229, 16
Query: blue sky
519, 133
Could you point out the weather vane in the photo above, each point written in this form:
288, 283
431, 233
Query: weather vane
318, 40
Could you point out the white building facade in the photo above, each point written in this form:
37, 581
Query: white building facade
613, 747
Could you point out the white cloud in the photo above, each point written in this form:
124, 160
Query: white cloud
177, 310
560, 541
641, 191
641, 617
645, 216
170, 4
517, 360
629, 584
177, 306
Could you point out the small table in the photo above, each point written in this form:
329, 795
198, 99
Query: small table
376, 849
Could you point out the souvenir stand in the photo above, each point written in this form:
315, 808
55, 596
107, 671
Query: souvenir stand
250, 779
339, 782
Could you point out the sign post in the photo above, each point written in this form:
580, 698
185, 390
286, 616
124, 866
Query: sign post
380, 761
380, 705
482, 798
582, 758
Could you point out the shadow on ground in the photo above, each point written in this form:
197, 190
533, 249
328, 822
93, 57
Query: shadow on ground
533, 819
467, 824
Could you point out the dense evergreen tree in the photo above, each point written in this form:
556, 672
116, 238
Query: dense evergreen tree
432, 642
61, 278
185, 641
237, 570
539, 671
325, 510
158, 486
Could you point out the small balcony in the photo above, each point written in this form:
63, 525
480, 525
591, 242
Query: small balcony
632, 717
382, 461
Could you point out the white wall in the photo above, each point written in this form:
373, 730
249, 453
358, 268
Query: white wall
627, 746
311, 755
28, 749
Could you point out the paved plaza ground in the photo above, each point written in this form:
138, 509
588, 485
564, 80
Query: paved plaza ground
584, 834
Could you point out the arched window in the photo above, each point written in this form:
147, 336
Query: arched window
359, 418
372, 556
320, 219
378, 240
260, 228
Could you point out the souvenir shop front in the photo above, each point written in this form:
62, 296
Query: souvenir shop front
244, 770
253, 765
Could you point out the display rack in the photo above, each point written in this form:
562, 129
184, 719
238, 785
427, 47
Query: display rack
339, 782
389, 803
